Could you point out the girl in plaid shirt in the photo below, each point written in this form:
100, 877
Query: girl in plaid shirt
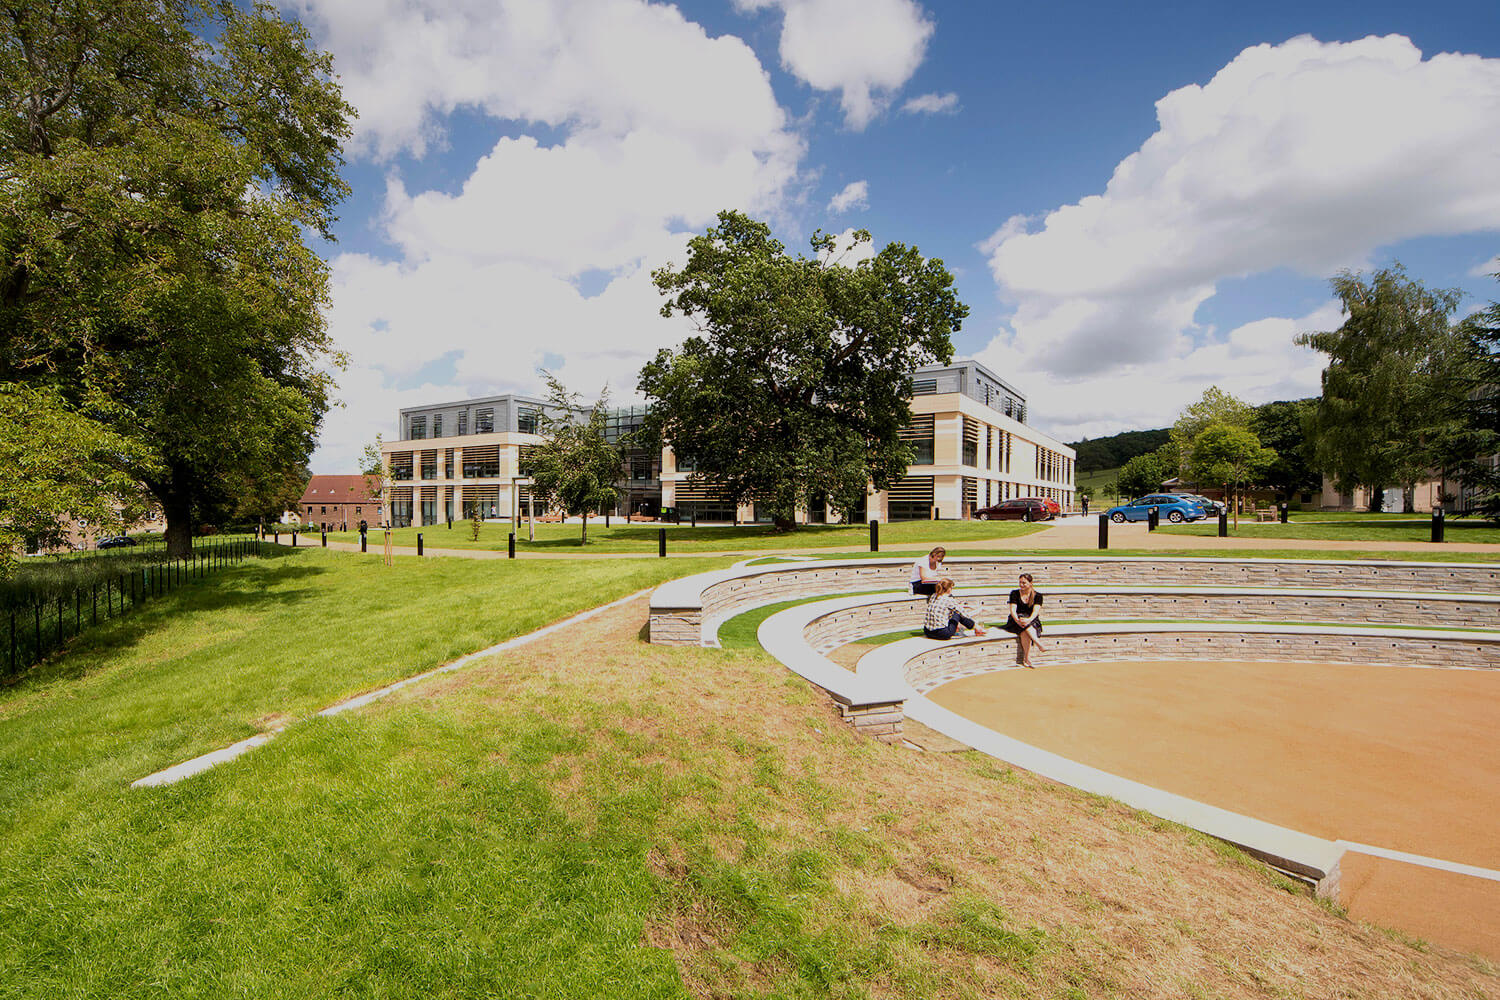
945, 615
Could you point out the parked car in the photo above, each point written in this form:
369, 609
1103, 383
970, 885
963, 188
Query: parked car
1169, 507
1051, 504
1021, 509
115, 542
1213, 507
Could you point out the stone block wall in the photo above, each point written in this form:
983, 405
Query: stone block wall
719, 601
937, 667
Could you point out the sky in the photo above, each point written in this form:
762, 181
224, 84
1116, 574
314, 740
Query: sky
1138, 201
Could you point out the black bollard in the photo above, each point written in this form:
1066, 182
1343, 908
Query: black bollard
450, 523
1283, 513
276, 536
294, 539
1437, 525
511, 551
1224, 523
874, 535
1103, 531
419, 543
362, 541
661, 542
325, 538
1153, 519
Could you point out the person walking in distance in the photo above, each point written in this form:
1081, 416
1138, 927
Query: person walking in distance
927, 571
945, 617
1025, 619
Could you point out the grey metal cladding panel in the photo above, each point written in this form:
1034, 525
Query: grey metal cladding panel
504, 420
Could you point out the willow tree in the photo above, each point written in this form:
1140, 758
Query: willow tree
798, 389
160, 163
1396, 370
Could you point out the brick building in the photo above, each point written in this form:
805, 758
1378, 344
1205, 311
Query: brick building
338, 503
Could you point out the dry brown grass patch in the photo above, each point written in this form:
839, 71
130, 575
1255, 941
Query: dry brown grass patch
1126, 904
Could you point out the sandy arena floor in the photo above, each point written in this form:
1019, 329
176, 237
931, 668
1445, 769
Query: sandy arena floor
1396, 757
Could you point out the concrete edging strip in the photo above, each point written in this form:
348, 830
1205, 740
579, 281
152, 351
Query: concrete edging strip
198, 765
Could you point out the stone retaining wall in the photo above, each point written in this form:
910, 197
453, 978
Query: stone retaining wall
680, 620
932, 669
836, 629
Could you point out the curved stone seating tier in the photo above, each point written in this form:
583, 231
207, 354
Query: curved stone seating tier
688, 611
885, 614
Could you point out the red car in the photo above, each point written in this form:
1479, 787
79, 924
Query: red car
1022, 509
1051, 504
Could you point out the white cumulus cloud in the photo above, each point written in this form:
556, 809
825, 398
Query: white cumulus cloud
608, 163
1305, 155
864, 49
1257, 362
932, 104
856, 194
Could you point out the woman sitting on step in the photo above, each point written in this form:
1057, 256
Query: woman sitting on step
946, 618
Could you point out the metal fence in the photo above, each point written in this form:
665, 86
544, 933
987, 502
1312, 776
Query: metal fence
45, 606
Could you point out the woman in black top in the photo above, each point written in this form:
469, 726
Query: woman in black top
1025, 619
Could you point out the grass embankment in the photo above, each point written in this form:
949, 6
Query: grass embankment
1435, 554
1105, 485
621, 539
586, 816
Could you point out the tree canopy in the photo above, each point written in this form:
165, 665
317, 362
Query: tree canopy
574, 468
60, 470
1215, 407
798, 387
1478, 393
1231, 455
1142, 474
161, 160
1393, 389
1282, 427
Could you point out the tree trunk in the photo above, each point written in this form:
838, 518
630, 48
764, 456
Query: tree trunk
176, 498
1409, 498
1234, 503
584, 539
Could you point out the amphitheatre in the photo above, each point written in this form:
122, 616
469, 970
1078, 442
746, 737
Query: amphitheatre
1332, 718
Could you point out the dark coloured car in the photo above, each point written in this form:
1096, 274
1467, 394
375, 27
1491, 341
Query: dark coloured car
115, 542
1024, 509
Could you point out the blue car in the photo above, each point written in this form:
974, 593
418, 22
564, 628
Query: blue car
1176, 509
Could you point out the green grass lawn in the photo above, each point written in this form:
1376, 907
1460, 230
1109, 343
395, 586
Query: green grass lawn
586, 817
621, 539
1351, 528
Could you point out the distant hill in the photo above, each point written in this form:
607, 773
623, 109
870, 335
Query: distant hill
1114, 451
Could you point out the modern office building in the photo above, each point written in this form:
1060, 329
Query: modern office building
973, 448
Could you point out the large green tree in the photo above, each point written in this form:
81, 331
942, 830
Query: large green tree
574, 467
797, 389
1142, 474
160, 162
1229, 455
1391, 407
1214, 407
1282, 427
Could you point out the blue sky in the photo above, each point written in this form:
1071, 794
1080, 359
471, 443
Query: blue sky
1138, 201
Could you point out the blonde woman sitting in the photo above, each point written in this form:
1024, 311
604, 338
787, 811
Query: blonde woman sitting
945, 617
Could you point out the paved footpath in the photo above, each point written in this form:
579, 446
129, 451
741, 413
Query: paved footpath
1069, 533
